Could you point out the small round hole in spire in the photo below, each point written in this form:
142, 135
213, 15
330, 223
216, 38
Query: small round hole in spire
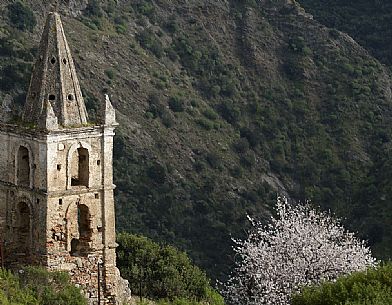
52, 97
70, 97
53, 60
64, 61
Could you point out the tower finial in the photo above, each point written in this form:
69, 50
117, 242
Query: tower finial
108, 113
54, 81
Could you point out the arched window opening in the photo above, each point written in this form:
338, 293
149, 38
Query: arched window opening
23, 170
81, 245
22, 228
80, 167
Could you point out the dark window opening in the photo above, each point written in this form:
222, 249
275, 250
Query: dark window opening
52, 97
22, 228
58, 167
64, 61
96, 196
60, 201
74, 246
80, 168
98, 162
70, 97
81, 246
23, 170
37, 201
53, 60
33, 95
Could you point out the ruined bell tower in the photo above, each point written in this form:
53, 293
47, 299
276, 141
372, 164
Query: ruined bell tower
56, 178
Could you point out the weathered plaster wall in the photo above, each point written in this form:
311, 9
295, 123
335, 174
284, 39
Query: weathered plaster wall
69, 227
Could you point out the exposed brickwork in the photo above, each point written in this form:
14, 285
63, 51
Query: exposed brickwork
56, 179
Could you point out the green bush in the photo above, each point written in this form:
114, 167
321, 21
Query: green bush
176, 104
206, 124
36, 286
162, 272
372, 287
171, 26
229, 111
155, 106
149, 41
210, 114
167, 119
94, 9
241, 145
214, 160
297, 44
110, 73
157, 173
13, 75
21, 16
145, 8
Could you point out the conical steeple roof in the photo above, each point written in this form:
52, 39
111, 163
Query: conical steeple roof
54, 99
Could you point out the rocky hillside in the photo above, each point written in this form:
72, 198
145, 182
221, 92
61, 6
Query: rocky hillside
222, 105
368, 22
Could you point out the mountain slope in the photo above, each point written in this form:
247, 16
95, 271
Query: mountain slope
368, 22
222, 105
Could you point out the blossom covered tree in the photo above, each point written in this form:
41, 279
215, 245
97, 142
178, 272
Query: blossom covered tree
301, 246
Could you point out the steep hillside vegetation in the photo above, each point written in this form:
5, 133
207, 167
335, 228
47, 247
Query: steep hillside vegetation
368, 22
222, 105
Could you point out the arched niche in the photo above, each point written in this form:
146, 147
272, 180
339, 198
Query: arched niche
79, 230
23, 166
22, 228
78, 169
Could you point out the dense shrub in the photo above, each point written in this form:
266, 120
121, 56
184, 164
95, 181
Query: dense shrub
110, 73
145, 8
157, 173
297, 44
214, 160
149, 41
14, 75
93, 9
229, 111
162, 272
36, 286
156, 107
176, 104
171, 26
21, 16
371, 287
204, 123
210, 114
241, 145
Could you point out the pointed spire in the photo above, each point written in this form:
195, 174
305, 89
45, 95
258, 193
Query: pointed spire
54, 91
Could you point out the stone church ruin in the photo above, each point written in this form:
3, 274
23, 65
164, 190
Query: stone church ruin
56, 178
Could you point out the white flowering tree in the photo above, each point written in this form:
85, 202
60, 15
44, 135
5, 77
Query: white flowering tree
300, 246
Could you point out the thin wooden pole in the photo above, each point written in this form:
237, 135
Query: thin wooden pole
99, 283
2, 253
